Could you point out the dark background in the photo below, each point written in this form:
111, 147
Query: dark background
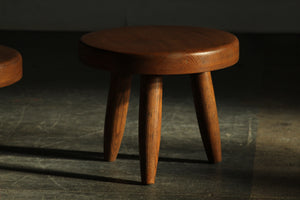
73, 15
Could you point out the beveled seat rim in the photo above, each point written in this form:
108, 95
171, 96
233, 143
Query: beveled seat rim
115, 58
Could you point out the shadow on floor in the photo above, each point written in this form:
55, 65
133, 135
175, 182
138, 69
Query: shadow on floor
16, 168
81, 155
77, 155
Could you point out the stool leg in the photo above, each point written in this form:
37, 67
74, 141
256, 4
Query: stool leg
149, 126
116, 113
205, 105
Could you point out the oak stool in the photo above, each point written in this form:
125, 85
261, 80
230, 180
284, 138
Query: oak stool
154, 51
10, 66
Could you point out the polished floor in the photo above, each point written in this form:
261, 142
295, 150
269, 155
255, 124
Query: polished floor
51, 127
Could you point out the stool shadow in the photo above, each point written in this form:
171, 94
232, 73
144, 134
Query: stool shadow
57, 153
72, 155
81, 155
66, 174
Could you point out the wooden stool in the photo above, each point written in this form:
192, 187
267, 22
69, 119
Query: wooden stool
10, 66
153, 51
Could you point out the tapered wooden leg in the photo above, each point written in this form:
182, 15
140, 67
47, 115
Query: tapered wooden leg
116, 113
205, 104
149, 126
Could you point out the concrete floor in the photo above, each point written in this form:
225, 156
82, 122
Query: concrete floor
51, 127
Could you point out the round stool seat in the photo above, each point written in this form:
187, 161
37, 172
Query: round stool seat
160, 50
10, 66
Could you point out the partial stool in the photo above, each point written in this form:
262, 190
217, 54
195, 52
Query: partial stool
153, 51
10, 66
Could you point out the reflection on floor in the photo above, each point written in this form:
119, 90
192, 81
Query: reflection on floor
51, 127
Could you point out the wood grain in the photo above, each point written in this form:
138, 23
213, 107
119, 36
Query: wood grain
116, 113
160, 49
150, 126
10, 66
206, 110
